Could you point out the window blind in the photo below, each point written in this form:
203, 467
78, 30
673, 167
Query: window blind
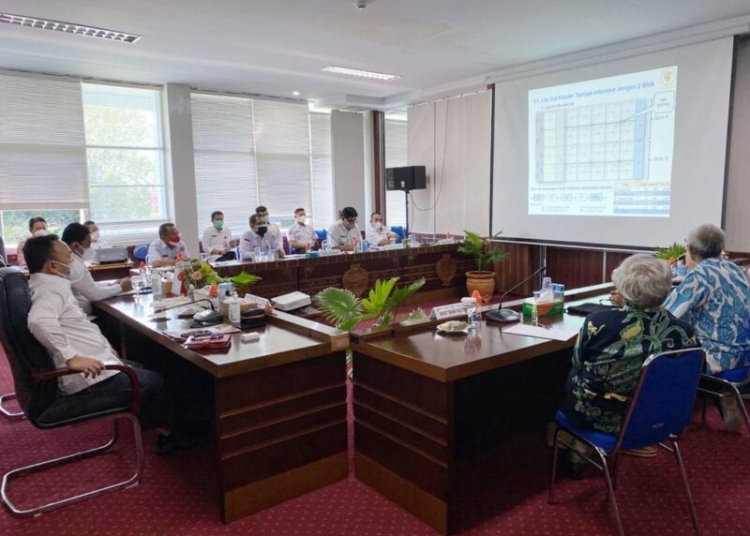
395, 156
282, 151
322, 211
225, 167
42, 144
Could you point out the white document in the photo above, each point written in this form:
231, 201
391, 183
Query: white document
542, 332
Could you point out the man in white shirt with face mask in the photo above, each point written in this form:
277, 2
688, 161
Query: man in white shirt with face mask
96, 240
37, 227
300, 235
72, 340
378, 234
85, 289
343, 234
217, 239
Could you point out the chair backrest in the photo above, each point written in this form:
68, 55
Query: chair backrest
140, 252
662, 403
25, 354
2, 252
399, 230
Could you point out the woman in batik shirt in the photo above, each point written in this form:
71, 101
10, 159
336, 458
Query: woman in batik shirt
613, 345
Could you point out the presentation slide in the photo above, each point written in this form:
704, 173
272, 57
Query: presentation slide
628, 151
603, 147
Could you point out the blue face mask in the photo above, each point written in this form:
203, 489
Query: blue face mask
219, 224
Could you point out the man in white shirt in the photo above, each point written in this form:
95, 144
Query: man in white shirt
72, 340
163, 252
378, 234
273, 229
217, 239
258, 237
300, 235
96, 241
343, 233
85, 289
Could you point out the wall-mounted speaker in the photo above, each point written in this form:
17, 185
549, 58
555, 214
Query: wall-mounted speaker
406, 178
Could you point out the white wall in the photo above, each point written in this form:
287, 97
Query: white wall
178, 140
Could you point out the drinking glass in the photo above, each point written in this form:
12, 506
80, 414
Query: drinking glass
138, 284
472, 312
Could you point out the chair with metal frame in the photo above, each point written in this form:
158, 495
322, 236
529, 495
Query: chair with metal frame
659, 410
726, 384
35, 379
4, 411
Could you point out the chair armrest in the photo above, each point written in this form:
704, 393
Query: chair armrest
135, 400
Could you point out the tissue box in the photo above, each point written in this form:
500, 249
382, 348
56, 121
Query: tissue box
544, 309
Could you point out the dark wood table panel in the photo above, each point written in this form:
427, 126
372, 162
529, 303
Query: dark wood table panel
278, 405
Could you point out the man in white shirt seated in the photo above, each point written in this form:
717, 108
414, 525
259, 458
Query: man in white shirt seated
258, 237
96, 240
378, 235
217, 239
300, 235
343, 233
273, 229
76, 343
163, 252
85, 289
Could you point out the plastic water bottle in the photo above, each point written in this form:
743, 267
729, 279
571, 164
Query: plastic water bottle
234, 310
534, 314
156, 284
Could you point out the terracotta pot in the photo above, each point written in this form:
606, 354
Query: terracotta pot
484, 282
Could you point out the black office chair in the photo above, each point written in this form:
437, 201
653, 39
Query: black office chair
35, 379
4, 411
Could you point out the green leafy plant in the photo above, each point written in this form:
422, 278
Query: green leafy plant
483, 252
346, 310
670, 253
244, 279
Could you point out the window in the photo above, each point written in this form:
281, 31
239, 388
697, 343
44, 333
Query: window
251, 152
395, 156
42, 152
125, 153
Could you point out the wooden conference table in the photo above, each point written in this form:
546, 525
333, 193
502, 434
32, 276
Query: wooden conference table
424, 401
279, 404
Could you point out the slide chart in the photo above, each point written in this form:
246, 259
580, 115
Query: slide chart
603, 147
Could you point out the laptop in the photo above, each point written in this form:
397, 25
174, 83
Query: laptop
110, 255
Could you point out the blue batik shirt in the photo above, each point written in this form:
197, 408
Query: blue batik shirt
714, 297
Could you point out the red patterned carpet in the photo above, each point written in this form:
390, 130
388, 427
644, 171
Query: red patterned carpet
508, 497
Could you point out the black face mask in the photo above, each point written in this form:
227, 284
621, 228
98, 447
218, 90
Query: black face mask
262, 229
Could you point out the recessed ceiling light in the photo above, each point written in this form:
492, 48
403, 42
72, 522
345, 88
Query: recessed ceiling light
68, 27
295, 93
363, 74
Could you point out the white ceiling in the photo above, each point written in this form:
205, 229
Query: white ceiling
275, 47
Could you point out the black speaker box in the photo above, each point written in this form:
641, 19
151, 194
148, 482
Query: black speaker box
406, 178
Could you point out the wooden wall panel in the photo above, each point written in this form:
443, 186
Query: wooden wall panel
575, 267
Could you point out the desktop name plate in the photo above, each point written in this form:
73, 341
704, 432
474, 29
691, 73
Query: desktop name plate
447, 311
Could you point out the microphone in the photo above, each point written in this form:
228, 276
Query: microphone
509, 315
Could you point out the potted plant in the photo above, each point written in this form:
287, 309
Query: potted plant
485, 254
346, 310
674, 255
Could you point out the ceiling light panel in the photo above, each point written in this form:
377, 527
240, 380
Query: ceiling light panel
68, 28
362, 74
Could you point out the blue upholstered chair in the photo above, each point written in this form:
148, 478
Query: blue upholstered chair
659, 411
399, 230
35, 379
140, 252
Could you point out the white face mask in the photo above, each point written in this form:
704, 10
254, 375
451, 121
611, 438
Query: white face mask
301, 219
378, 226
88, 254
95, 236
76, 271
40, 232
